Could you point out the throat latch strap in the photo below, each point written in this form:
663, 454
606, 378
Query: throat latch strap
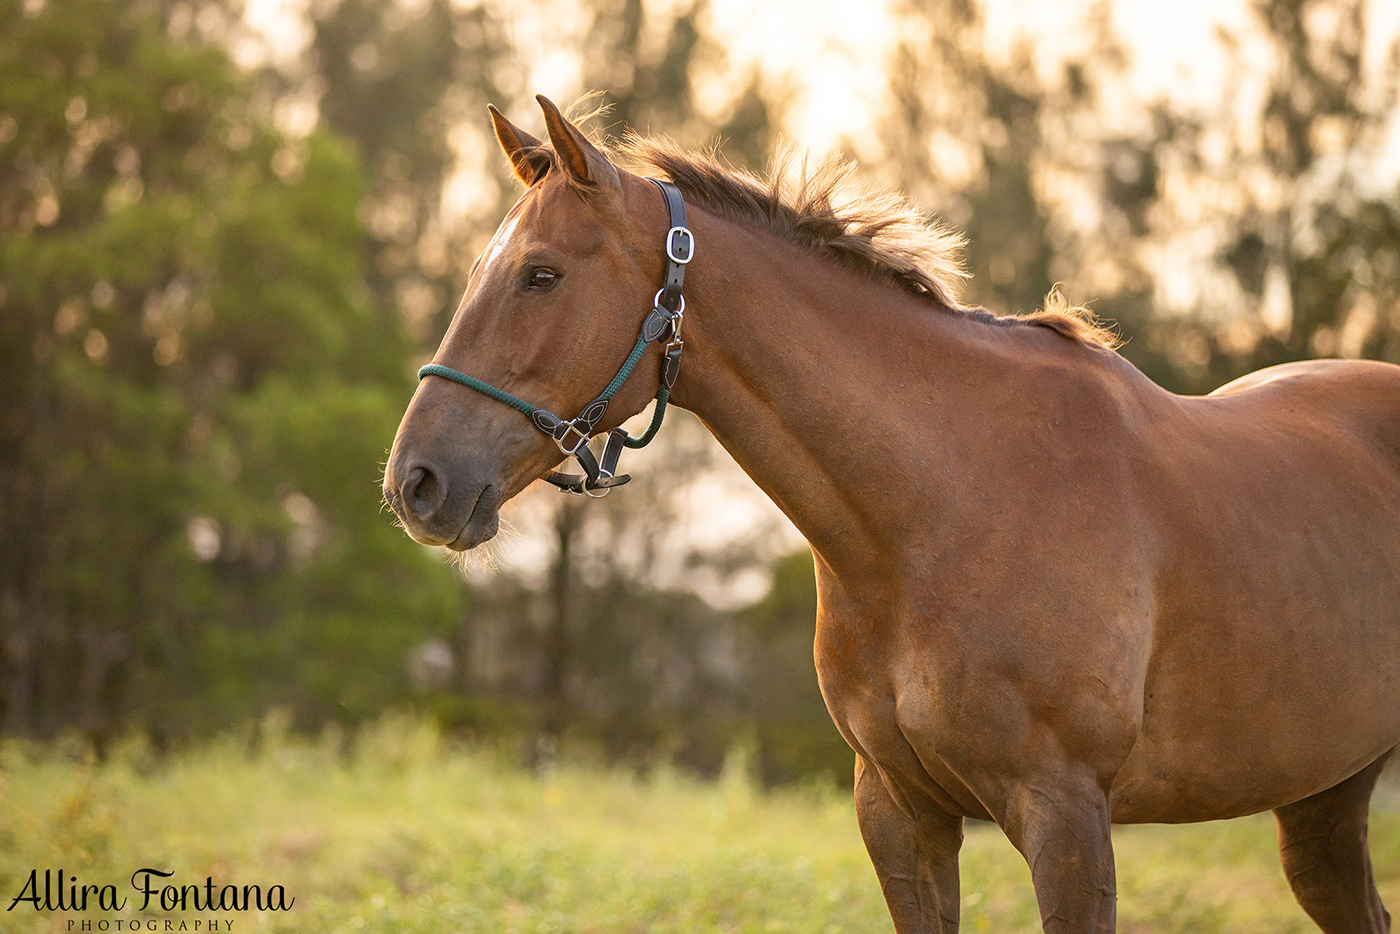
662, 323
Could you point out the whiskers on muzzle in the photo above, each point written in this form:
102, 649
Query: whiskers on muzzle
486, 558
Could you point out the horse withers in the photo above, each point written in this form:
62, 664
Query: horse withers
1051, 593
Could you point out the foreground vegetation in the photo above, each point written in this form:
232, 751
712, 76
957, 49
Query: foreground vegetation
407, 833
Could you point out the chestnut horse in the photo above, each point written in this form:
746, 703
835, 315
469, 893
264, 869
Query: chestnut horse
1052, 594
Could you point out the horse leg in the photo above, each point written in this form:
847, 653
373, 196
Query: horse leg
1060, 823
1323, 843
915, 854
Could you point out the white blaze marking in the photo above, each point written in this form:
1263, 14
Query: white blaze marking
498, 243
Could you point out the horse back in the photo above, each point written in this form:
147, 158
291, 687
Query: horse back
1356, 397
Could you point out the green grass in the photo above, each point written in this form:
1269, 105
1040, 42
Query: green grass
411, 834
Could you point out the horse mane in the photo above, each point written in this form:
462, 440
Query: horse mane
818, 206
873, 231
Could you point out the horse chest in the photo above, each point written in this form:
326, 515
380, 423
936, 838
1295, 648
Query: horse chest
884, 701
853, 661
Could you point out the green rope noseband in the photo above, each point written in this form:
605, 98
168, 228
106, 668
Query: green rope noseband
662, 322
471, 382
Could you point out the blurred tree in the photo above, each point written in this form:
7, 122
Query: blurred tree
407, 83
194, 394
1307, 260
793, 732
1282, 182
962, 136
1312, 240
648, 85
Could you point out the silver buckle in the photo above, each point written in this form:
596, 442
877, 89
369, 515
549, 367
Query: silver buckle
582, 439
671, 245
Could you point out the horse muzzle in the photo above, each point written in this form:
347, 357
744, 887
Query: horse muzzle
441, 507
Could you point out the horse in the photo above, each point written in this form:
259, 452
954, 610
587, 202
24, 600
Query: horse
1051, 593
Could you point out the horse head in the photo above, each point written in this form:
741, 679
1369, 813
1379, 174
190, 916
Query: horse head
552, 306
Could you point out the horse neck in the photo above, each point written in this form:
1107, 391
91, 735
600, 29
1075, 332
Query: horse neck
834, 392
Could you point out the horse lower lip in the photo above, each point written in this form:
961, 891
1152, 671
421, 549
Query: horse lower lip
466, 542
463, 541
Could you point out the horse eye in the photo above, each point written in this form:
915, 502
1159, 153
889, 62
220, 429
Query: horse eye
542, 279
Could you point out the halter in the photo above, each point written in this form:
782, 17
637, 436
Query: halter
663, 322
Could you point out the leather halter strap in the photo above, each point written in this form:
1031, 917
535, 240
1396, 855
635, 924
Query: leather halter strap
663, 322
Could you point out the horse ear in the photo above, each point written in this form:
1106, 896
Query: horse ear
527, 157
580, 158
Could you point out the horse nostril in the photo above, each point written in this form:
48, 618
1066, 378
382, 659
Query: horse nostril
423, 492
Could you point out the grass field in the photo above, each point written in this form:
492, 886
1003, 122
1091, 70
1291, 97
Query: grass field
411, 834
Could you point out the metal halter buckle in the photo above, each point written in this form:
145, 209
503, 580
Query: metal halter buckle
671, 245
582, 439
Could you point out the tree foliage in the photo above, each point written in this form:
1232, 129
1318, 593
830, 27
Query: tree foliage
196, 391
